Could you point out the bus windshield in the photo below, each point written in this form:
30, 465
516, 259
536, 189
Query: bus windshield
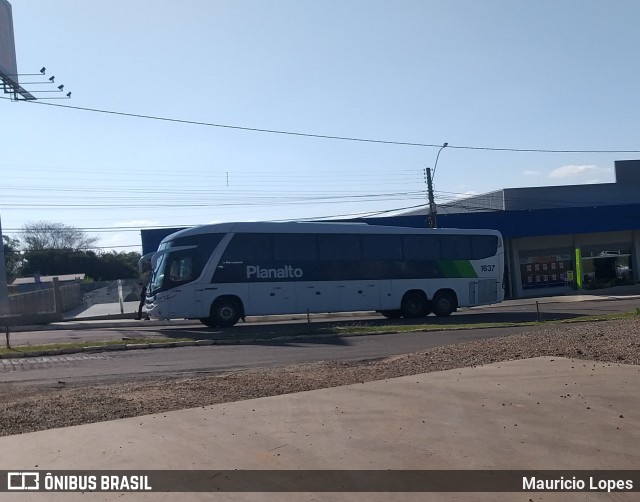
158, 275
181, 261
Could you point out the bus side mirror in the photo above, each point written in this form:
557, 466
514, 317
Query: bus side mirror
144, 259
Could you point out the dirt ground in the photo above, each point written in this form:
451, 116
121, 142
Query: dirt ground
26, 409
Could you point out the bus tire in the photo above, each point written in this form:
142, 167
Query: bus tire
414, 304
443, 303
225, 312
391, 314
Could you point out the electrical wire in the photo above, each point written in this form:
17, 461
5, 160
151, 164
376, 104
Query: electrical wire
322, 136
467, 205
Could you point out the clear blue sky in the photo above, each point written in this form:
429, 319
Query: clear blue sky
559, 75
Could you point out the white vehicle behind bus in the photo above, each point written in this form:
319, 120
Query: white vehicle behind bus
225, 272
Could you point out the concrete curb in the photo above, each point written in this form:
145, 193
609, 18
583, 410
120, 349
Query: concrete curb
170, 345
117, 322
113, 348
101, 324
544, 300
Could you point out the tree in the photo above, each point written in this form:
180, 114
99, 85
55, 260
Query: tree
127, 258
12, 257
99, 267
58, 249
50, 235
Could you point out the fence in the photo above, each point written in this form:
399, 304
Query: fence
44, 301
76, 300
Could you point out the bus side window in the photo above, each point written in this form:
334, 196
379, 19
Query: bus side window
295, 247
381, 247
421, 247
247, 248
180, 270
339, 247
484, 246
456, 247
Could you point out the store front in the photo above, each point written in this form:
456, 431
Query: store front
604, 268
588, 262
542, 271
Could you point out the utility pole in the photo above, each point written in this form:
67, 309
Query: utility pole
431, 214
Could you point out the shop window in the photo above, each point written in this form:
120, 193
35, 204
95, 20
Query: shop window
537, 271
608, 267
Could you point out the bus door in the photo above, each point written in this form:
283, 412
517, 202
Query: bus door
179, 297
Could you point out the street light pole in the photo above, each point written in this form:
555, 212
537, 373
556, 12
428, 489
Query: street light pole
431, 216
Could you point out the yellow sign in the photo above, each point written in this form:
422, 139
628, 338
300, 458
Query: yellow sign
579, 268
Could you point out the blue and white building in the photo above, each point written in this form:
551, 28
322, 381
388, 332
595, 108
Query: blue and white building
557, 238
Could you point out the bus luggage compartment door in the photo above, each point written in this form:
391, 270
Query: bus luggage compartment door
487, 291
272, 298
473, 293
483, 291
359, 296
316, 297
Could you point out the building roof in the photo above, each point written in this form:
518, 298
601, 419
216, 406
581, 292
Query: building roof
530, 223
625, 190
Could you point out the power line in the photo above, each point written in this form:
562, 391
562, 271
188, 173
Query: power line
122, 202
321, 136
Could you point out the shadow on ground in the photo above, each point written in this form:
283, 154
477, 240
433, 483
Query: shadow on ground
330, 332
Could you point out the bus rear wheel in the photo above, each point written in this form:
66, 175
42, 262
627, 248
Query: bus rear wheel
414, 304
443, 303
225, 312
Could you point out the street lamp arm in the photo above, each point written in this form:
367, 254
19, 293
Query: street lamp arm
435, 166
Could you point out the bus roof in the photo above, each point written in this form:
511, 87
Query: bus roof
318, 227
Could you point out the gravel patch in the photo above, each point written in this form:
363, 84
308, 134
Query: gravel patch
26, 409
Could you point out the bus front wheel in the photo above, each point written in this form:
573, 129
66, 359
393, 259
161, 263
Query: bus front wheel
443, 303
225, 312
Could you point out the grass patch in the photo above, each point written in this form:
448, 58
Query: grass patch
356, 329
22, 349
408, 328
603, 317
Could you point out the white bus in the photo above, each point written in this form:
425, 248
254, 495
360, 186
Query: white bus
222, 273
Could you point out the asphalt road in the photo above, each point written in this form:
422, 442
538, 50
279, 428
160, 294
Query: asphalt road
225, 358
264, 353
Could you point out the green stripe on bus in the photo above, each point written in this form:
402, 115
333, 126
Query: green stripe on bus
457, 268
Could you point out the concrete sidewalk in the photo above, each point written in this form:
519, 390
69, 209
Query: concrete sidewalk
545, 413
